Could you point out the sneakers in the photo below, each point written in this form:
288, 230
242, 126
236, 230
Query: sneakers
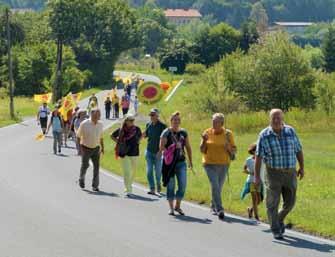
81, 184
95, 189
278, 236
221, 215
171, 213
151, 193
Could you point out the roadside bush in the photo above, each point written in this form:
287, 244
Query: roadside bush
195, 69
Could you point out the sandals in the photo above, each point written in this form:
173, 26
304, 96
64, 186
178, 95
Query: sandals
180, 211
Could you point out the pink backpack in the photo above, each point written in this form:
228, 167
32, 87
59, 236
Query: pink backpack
168, 154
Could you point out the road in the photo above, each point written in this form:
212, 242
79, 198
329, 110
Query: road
44, 213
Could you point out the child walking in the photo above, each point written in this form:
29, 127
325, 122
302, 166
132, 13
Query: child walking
249, 168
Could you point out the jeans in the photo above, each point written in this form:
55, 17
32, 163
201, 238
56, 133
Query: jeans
154, 170
181, 175
108, 113
217, 175
94, 155
57, 141
279, 184
129, 166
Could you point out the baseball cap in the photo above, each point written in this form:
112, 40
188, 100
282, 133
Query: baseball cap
154, 111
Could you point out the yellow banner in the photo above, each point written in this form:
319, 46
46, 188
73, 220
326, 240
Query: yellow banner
43, 98
68, 104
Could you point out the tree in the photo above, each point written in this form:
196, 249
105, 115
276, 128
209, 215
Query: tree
260, 17
249, 35
175, 54
328, 48
274, 74
68, 18
325, 91
215, 43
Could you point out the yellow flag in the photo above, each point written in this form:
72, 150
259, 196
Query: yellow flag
68, 104
40, 137
43, 98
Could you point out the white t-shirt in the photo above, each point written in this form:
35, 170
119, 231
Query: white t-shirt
43, 112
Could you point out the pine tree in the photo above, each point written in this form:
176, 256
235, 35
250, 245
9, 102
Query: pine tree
329, 49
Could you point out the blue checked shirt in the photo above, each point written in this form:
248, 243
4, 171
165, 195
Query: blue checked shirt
279, 151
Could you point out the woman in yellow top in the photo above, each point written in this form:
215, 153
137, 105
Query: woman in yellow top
218, 149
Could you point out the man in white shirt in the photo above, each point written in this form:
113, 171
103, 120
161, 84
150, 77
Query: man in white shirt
42, 117
90, 139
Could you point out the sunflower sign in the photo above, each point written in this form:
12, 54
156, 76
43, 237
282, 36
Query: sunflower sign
150, 92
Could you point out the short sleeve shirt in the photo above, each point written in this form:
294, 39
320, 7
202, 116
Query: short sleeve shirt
43, 112
172, 137
153, 133
90, 134
279, 151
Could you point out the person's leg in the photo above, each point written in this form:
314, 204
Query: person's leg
222, 175
126, 173
59, 141
150, 171
86, 154
55, 138
170, 194
95, 157
289, 196
214, 183
273, 191
181, 174
133, 170
254, 204
158, 173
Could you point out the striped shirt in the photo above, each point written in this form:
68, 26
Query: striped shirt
279, 151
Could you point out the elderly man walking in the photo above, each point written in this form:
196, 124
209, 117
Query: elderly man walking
279, 147
90, 139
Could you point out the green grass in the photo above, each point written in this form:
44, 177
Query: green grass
315, 206
26, 107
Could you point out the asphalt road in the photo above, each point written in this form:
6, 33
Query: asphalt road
44, 213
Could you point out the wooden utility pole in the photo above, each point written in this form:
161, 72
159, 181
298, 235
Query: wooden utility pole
58, 79
10, 66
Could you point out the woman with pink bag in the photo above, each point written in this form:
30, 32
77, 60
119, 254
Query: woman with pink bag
174, 141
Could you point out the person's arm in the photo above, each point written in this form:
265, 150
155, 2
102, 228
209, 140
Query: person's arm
49, 125
115, 135
301, 171
258, 160
245, 169
79, 135
189, 152
258, 164
162, 144
203, 144
38, 116
102, 150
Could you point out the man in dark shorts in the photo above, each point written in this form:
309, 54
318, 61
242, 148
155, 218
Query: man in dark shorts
42, 117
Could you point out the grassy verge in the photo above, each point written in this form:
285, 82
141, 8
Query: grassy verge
316, 198
25, 107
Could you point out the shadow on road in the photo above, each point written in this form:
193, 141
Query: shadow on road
302, 243
193, 219
228, 219
142, 198
101, 193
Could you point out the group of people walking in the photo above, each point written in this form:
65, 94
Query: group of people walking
168, 156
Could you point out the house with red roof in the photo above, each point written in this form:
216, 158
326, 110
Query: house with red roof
182, 16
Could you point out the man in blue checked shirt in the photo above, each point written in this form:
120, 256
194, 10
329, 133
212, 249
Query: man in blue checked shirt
279, 148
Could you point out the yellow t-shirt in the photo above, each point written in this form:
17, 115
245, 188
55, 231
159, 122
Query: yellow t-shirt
216, 147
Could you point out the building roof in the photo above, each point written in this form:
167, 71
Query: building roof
293, 24
192, 13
